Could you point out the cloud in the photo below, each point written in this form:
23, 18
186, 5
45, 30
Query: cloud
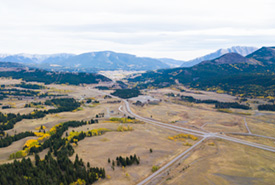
157, 28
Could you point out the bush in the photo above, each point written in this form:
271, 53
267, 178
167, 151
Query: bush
155, 168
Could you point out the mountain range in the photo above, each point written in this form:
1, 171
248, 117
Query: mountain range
108, 60
87, 62
242, 50
232, 73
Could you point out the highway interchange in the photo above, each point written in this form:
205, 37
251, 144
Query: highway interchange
125, 108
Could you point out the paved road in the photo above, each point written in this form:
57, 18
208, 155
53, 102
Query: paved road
205, 135
127, 110
196, 132
169, 163
247, 134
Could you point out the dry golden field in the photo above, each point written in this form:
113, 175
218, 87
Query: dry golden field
214, 161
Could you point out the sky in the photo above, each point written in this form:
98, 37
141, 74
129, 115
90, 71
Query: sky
179, 29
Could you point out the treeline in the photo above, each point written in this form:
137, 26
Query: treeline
63, 104
55, 142
49, 171
32, 104
193, 100
8, 140
102, 88
126, 93
267, 107
218, 104
18, 92
90, 133
4, 93
227, 105
30, 86
38, 75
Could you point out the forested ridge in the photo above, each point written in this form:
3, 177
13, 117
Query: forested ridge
243, 79
38, 75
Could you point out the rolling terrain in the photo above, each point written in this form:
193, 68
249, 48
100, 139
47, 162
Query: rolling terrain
231, 73
169, 126
242, 50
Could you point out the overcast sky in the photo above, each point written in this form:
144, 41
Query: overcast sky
180, 29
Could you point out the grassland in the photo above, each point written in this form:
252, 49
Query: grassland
223, 163
213, 162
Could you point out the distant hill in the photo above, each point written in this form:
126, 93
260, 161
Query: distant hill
231, 73
229, 58
265, 55
242, 50
87, 62
19, 71
10, 65
34, 58
108, 60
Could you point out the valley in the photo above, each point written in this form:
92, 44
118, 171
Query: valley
138, 128
183, 117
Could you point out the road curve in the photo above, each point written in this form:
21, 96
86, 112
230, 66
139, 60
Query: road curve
196, 132
205, 135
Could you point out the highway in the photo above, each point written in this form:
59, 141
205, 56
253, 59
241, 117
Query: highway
127, 110
170, 163
195, 132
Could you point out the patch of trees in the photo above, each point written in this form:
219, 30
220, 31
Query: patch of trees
115, 101
100, 115
52, 170
38, 75
126, 93
102, 88
170, 94
33, 104
30, 86
227, 105
55, 142
126, 161
18, 92
56, 171
267, 107
8, 140
193, 100
63, 104
92, 101
4, 93
6, 107
91, 133
107, 97
218, 104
